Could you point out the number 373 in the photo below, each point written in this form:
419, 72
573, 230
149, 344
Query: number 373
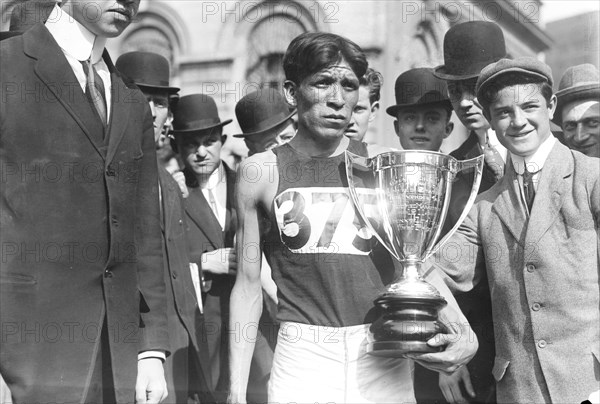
323, 220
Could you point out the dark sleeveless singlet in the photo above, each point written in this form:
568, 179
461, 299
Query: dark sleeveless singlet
328, 270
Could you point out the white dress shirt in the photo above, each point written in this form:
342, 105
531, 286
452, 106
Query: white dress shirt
215, 192
534, 164
78, 44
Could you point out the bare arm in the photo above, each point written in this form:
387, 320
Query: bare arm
246, 296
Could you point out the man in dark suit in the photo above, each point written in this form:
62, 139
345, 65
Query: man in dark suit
187, 365
82, 299
211, 221
468, 48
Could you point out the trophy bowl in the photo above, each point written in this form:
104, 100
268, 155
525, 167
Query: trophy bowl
412, 190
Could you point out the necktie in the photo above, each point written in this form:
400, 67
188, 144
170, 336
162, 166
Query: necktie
213, 204
94, 90
494, 161
528, 187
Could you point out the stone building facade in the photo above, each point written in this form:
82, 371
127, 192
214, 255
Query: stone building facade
227, 48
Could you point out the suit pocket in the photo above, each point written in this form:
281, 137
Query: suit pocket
500, 365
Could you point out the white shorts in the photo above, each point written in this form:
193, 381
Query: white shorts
314, 364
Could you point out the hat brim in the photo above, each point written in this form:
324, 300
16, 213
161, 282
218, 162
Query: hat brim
169, 89
393, 110
194, 130
567, 95
490, 80
260, 132
441, 73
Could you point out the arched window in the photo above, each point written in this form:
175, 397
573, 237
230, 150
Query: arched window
267, 44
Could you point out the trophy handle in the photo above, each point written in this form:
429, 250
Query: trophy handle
365, 164
476, 163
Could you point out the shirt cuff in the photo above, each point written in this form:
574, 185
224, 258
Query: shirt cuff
152, 354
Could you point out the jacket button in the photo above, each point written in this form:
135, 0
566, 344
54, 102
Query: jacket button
108, 274
174, 275
530, 268
536, 307
113, 220
110, 171
180, 222
542, 343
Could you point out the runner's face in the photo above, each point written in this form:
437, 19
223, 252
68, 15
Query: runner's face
326, 100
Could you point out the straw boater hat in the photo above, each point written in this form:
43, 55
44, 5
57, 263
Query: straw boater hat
579, 82
261, 111
419, 87
468, 48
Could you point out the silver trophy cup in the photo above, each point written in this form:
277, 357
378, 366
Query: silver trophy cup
413, 190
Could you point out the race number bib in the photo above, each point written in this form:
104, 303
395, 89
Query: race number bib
323, 220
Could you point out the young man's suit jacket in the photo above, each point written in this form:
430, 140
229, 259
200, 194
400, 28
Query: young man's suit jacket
543, 277
80, 227
188, 365
204, 235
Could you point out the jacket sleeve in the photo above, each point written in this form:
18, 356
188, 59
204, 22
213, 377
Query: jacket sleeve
461, 260
153, 303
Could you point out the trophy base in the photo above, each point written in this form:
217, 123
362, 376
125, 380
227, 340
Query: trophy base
398, 349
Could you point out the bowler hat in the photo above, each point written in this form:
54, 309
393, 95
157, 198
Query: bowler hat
260, 111
146, 69
527, 66
417, 87
468, 48
577, 83
196, 112
26, 14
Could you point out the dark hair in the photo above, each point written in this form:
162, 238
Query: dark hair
374, 80
312, 51
490, 91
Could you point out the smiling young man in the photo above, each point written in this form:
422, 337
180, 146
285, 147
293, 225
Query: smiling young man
578, 109
293, 202
422, 110
101, 288
536, 234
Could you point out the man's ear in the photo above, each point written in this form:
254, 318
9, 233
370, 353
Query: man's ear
552, 105
374, 109
223, 138
174, 146
396, 129
289, 92
449, 129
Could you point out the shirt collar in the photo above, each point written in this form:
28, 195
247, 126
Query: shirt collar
73, 38
536, 161
217, 177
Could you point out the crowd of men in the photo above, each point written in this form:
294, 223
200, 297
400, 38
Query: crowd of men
142, 264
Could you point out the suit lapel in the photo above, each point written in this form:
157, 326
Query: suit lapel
201, 214
551, 187
231, 218
56, 73
119, 109
508, 205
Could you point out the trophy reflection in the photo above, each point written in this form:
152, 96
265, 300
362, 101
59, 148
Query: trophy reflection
412, 191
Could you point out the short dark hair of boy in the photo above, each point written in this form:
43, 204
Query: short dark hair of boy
313, 51
374, 80
490, 92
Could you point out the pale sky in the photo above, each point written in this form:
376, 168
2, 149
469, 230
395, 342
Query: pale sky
557, 9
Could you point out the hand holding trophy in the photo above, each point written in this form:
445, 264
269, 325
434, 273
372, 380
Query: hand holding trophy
412, 190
